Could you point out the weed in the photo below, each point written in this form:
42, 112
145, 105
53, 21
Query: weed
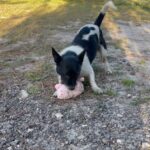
41, 72
142, 62
128, 82
111, 92
33, 89
139, 101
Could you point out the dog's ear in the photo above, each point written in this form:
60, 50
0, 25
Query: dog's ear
56, 56
81, 57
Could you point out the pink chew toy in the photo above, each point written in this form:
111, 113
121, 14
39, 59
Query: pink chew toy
62, 92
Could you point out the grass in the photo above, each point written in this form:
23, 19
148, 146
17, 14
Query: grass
139, 101
111, 92
25, 18
142, 62
36, 19
41, 72
142, 98
34, 89
128, 82
135, 10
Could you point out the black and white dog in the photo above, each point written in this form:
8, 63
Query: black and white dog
75, 60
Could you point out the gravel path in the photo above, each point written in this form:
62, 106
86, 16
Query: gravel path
116, 120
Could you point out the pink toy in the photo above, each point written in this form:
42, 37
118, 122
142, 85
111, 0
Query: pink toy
62, 92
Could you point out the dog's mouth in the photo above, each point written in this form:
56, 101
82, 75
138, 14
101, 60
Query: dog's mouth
71, 88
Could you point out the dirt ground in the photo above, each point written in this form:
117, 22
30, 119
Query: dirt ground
119, 119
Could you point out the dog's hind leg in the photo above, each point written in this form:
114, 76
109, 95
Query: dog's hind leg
102, 48
103, 55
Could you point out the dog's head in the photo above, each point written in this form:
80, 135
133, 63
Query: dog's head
68, 66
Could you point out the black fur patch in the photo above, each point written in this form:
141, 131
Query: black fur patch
99, 19
69, 68
91, 45
102, 40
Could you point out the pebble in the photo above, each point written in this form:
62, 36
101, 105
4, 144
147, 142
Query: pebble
119, 141
145, 145
9, 148
30, 130
104, 141
129, 95
58, 115
23, 94
84, 125
134, 97
119, 115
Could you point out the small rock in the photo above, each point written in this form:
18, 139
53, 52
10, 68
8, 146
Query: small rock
122, 93
129, 95
23, 94
119, 141
84, 125
134, 97
104, 141
58, 115
119, 115
29, 130
145, 146
148, 135
9, 148
81, 137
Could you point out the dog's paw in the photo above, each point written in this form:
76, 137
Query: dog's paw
97, 90
55, 94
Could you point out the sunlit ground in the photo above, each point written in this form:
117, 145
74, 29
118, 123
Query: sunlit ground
34, 22
28, 14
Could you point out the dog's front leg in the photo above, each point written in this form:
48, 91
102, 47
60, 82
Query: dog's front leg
93, 84
59, 79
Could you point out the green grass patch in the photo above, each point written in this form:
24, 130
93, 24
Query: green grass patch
139, 101
4, 64
25, 18
41, 72
142, 62
136, 10
111, 92
128, 82
34, 89
33, 76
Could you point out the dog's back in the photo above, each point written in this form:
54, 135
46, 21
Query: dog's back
88, 38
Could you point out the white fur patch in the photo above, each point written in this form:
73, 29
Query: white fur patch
92, 32
73, 48
86, 36
77, 49
108, 5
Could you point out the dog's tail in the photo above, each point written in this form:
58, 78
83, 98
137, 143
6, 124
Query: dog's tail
105, 8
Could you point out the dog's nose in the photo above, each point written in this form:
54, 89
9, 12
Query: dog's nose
71, 88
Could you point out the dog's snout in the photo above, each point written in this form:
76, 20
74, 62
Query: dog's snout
71, 88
